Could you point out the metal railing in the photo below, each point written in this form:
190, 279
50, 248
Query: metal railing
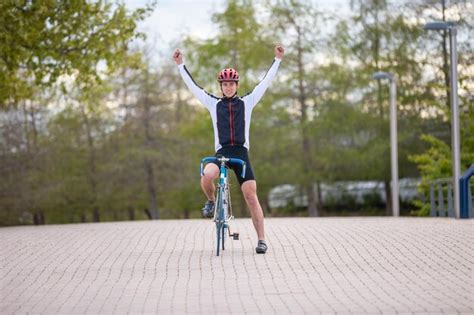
442, 198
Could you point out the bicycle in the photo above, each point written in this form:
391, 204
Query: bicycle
223, 208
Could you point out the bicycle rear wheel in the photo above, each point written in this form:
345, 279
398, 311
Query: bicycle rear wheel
219, 227
223, 236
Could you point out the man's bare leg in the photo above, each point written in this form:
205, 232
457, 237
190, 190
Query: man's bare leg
249, 189
211, 172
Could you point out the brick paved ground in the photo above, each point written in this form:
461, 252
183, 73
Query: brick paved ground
322, 265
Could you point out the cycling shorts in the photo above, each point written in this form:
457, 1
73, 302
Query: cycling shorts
239, 152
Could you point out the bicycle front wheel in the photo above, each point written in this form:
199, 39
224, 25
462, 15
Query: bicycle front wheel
220, 218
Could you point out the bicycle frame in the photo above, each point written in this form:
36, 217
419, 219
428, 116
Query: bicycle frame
223, 209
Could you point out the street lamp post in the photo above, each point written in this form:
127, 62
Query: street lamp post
393, 138
455, 135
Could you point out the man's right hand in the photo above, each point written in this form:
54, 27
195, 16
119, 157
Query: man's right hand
178, 57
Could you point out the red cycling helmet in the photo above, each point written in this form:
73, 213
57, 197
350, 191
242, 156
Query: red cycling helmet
228, 74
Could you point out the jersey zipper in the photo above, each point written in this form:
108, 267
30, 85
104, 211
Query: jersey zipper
231, 123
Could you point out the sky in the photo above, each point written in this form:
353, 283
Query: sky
174, 19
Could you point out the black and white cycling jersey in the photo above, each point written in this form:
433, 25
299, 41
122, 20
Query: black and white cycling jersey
231, 116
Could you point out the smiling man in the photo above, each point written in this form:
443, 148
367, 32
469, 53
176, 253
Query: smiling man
231, 116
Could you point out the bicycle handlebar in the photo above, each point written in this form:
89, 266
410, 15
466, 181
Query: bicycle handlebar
223, 160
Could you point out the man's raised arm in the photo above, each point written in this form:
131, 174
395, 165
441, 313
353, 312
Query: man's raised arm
257, 93
205, 98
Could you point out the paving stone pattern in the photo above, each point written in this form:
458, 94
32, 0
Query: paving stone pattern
313, 265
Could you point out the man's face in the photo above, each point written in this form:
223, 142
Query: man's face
229, 88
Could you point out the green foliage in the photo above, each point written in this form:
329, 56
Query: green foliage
436, 162
42, 40
467, 134
433, 164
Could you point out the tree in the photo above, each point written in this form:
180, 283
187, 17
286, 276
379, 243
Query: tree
436, 161
42, 40
377, 39
298, 22
240, 44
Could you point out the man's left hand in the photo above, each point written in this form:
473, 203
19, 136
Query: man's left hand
279, 51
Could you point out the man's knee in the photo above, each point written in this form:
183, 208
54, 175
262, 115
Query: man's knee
249, 189
211, 172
